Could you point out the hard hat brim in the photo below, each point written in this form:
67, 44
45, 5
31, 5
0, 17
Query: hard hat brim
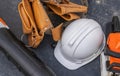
58, 55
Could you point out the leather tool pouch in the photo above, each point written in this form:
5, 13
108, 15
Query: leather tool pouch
66, 9
35, 21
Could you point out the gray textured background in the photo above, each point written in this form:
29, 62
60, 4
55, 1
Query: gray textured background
100, 10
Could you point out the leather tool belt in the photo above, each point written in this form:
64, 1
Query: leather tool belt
36, 22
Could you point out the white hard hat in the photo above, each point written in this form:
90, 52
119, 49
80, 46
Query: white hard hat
82, 41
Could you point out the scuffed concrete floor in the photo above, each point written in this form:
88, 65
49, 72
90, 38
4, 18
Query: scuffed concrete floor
100, 10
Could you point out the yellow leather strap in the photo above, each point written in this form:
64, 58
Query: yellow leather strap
41, 18
70, 16
61, 9
56, 32
66, 9
27, 28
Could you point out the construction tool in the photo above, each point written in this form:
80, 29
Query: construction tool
21, 56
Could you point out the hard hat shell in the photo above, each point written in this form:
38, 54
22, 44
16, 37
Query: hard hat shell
82, 41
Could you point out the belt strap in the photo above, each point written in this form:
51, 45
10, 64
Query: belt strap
62, 9
56, 32
70, 16
66, 9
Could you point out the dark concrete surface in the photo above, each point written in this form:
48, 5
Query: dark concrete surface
100, 10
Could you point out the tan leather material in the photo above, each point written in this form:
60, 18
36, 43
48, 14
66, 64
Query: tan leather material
35, 21
65, 1
28, 22
70, 16
66, 9
61, 9
41, 18
27, 28
56, 32
50, 1
34, 40
56, 1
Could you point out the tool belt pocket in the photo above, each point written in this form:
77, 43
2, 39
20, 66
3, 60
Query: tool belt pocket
34, 20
